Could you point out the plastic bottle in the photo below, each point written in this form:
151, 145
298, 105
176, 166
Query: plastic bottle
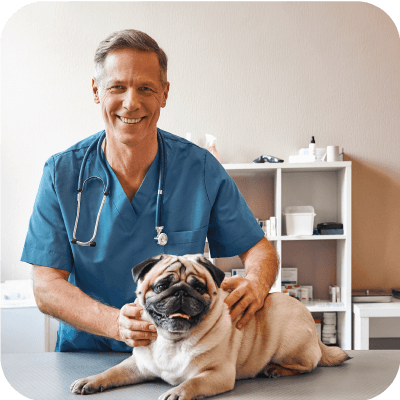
211, 147
311, 147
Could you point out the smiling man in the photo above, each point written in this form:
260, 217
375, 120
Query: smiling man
147, 178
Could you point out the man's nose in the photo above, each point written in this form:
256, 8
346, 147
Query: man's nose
131, 100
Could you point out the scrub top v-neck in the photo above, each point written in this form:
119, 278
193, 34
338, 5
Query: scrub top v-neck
200, 201
143, 195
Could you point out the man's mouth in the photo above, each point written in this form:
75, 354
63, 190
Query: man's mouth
129, 120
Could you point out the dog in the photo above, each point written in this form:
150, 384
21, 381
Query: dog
198, 349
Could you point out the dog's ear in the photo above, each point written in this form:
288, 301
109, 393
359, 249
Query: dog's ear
215, 272
145, 266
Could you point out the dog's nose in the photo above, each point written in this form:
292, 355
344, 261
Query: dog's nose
180, 293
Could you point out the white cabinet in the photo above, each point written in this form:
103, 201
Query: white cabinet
321, 259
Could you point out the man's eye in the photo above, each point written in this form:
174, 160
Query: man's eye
117, 87
146, 89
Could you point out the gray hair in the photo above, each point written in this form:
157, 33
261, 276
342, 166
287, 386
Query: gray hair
129, 38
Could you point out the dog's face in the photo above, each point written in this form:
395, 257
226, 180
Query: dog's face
177, 292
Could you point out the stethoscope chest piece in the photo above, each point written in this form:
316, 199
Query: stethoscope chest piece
162, 238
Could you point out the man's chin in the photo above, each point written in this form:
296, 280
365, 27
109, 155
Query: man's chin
127, 135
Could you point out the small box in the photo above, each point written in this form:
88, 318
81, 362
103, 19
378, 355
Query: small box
289, 276
309, 291
273, 226
330, 228
332, 294
268, 228
303, 293
299, 220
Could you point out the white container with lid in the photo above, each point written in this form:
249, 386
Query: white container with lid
299, 220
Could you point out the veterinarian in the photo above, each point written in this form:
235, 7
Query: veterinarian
141, 192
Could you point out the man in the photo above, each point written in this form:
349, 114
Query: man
90, 289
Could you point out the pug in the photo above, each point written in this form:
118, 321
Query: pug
198, 350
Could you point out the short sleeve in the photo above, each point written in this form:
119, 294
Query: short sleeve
47, 241
233, 228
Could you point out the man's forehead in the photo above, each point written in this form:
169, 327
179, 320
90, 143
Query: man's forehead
131, 58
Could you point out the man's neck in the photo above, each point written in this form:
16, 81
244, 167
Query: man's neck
130, 163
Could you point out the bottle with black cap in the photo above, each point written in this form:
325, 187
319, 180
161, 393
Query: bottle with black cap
311, 147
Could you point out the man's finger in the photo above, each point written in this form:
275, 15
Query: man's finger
133, 311
240, 307
247, 316
139, 335
235, 296
231, 283
135, 325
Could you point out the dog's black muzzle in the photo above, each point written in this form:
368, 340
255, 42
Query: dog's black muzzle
179, 298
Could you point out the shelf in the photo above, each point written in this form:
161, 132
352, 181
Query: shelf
324, 306
270, 168
321, 259
311, 237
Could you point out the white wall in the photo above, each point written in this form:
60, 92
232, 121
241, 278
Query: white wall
261, 77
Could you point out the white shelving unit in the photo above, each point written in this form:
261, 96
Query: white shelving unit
326, 187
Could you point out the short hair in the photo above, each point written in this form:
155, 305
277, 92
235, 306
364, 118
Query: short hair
129, 38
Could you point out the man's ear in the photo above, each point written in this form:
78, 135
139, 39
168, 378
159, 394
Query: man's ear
140, 270
165, 95
95, 88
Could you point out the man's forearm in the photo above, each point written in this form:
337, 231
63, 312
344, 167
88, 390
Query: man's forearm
66, 302
261, 263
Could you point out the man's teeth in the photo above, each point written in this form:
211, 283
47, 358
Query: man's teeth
130, 120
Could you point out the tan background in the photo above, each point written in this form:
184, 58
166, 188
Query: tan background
261, 77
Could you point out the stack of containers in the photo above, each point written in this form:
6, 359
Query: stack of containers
329, 328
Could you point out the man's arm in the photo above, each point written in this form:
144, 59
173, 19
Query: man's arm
248, 294
57, 297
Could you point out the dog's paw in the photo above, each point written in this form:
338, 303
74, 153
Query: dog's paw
276, 371
178, 393
271, 373
87, 385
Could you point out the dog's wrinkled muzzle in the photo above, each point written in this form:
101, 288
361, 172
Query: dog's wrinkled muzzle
180, 298
178, 308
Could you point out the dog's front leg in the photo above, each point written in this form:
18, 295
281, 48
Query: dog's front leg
207, 383
125, 373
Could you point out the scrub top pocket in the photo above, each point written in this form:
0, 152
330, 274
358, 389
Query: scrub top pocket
186, 242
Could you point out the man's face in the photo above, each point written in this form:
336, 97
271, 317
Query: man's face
131, 95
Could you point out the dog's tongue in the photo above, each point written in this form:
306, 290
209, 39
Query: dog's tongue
176, 315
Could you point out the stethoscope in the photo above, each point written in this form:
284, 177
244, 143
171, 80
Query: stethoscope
161, 237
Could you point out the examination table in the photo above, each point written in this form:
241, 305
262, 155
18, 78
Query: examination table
48, 376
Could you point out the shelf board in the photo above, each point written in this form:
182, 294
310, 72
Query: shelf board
309, 237
251, 169
324, 306
304, 237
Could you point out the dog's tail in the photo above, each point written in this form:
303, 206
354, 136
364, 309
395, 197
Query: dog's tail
332, 356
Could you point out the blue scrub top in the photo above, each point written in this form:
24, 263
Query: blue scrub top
200, 200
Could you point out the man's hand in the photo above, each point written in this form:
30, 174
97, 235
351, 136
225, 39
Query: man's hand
247, 296
132, 330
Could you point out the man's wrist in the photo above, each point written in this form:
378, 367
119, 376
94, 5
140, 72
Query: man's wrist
114, 334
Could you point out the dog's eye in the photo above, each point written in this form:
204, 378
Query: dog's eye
198, 287
160, 288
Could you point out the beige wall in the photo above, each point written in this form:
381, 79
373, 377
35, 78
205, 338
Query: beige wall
261, 77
